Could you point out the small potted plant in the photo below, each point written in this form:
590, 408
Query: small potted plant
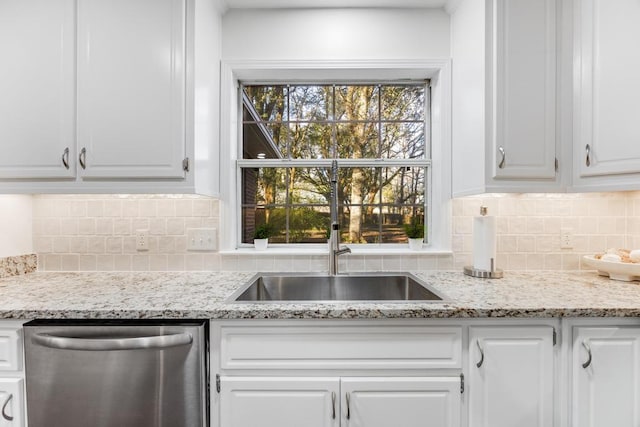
415, 233
261, 236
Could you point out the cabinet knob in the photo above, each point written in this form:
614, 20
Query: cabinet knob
65, 158
82, 158
503, 158
586, 364
348, 408
481, 361
588, 158
4, 408
333, 405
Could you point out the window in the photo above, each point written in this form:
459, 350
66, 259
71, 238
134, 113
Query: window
379, 133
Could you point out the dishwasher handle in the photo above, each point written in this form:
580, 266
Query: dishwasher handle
109, 344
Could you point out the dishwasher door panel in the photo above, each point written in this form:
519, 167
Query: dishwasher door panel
115, 376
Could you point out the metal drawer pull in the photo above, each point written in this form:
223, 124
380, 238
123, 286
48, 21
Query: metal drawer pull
348, 408
333, 405
82, 158
504, 156
586, 364
4, 407
588, 160
65, 158
481, 361
107, 344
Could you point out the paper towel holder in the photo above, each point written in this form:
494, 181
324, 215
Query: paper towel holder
494, 273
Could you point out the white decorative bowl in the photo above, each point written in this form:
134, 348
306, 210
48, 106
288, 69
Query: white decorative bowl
624, 271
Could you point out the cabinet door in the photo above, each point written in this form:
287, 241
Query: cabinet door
131, 88
606, 107
279, 402
405, 402
522, 86
511, 377
606, 377
37, 88
11, 402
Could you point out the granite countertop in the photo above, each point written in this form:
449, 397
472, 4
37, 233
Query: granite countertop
202, 295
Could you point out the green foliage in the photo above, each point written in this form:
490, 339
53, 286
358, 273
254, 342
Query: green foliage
263, 231
415, 229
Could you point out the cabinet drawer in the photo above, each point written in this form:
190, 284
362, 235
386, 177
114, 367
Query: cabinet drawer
334, 347
10, 349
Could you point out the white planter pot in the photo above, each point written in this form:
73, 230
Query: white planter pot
260, 244
415, 244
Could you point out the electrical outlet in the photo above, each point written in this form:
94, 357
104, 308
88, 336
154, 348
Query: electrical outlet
566, 238
142, 240
202, 239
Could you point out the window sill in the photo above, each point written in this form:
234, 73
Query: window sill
317, 250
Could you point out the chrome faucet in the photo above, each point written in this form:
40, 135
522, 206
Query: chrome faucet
334, 240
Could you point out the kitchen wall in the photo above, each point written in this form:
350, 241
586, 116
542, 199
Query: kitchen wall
96, 232
15, 225
342, 33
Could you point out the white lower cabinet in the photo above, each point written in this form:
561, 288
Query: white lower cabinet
11, 402
279, 402
606, 377
406, 402
12, 406
511, 380
334, 401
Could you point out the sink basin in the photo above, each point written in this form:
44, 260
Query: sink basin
397, 287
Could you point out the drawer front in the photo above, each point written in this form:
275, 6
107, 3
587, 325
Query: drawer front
10, 349
362, 347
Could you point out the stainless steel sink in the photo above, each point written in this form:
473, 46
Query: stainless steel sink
396, 287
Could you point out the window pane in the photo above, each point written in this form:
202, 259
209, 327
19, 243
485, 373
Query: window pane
309, 186
357, 140
310, 103
394, 218
403, 102
403, 186
403, 140
269, 102
264, 140
310, 140
356, 103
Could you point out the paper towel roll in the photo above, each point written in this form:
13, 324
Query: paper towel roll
484, 242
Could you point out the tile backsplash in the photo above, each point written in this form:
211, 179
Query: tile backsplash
97, 232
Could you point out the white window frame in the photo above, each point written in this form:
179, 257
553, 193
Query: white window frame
439, 179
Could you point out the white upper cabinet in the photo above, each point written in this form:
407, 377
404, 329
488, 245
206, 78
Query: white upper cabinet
137, 79
607, 89
37, 81
131, 88
504, 135
522, 82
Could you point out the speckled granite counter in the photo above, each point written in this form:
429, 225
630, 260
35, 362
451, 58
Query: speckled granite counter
202, 295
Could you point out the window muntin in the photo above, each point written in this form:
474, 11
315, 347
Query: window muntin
379, 134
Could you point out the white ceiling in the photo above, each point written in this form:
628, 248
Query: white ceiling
300, 4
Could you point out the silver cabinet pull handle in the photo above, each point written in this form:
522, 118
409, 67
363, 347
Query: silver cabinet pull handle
65, 158
333, 405
504, 157
4, 408
348, 408
481, 361
586, 364
82, 158
588, 159
107, 344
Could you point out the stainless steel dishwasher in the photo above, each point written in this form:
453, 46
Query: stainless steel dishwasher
116, 373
